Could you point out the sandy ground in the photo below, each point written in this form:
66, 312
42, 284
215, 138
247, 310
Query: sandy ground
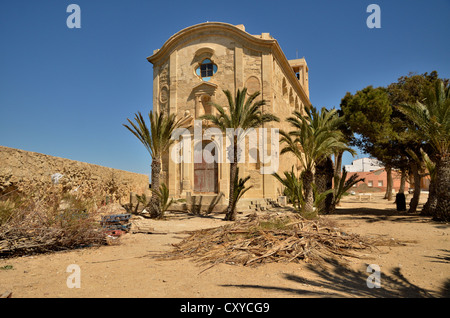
421, 268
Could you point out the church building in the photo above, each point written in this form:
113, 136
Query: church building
193, 68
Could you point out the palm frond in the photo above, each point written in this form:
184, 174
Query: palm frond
316, 136
141, 131
157, 138
431, 118
342, 185
293, 188
163, 195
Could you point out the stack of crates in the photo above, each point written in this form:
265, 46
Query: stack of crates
116, 224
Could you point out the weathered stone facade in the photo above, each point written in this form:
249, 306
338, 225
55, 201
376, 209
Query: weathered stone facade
20, 169
193, 68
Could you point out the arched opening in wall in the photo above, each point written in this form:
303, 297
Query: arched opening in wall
298, 73
206, 175
297, 106
284, 88
302, 108
291, 98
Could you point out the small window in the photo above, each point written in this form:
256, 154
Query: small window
380, 183
370, 183
206, 69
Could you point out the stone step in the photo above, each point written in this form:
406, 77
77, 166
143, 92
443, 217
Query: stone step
247, 205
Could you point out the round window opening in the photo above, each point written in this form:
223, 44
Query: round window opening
206, 70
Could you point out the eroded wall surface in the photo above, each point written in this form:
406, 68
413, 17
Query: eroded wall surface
24, 170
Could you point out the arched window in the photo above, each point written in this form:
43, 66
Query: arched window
206, 70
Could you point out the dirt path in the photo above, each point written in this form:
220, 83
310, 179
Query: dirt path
419, 269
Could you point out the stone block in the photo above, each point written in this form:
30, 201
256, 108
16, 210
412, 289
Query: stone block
282, 200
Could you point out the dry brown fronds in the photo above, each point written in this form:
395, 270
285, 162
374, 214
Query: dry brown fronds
273, 237
47, 219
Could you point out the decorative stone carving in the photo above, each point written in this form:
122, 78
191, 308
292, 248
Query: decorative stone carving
164, 89
204, 94
164, 75
164, 94
253, 85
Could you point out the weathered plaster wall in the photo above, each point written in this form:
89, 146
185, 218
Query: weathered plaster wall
20, 169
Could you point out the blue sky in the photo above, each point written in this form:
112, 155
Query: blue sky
67, 92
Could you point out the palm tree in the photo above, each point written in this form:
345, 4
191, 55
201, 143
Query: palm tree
341, 186
323, 179
431, 119
314, 138
430, 166
424, 161
293, 188
163, 195
241, 113
157, 140
239, 188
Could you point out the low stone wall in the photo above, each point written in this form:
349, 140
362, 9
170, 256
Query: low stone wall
23, 170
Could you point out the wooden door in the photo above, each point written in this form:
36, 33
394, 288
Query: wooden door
206, 175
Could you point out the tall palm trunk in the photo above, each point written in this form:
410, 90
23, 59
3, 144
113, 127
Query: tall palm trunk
430, 206
308, 179
330, 205
329, 185
442, 210
338, 163
155, 210
323, 178
320, 179
231, 209
416, 196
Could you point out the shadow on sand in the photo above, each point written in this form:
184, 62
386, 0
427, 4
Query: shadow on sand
338, 281
372, 213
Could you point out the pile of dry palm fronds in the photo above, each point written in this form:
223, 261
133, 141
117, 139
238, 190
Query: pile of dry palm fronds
275, 237
29, 239
45, 220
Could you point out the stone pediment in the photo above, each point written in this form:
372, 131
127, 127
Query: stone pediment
205, 88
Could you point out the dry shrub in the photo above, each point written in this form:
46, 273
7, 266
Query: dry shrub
272, 237
47, 219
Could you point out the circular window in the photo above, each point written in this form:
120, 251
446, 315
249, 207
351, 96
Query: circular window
206, 70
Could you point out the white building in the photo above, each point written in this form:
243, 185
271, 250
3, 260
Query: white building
364, 165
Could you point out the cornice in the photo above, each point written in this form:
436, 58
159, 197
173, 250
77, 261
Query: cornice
175, 39
212, 27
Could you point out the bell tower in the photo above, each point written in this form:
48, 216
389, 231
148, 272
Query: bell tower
300, 69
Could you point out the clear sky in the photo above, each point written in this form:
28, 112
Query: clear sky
67, 92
